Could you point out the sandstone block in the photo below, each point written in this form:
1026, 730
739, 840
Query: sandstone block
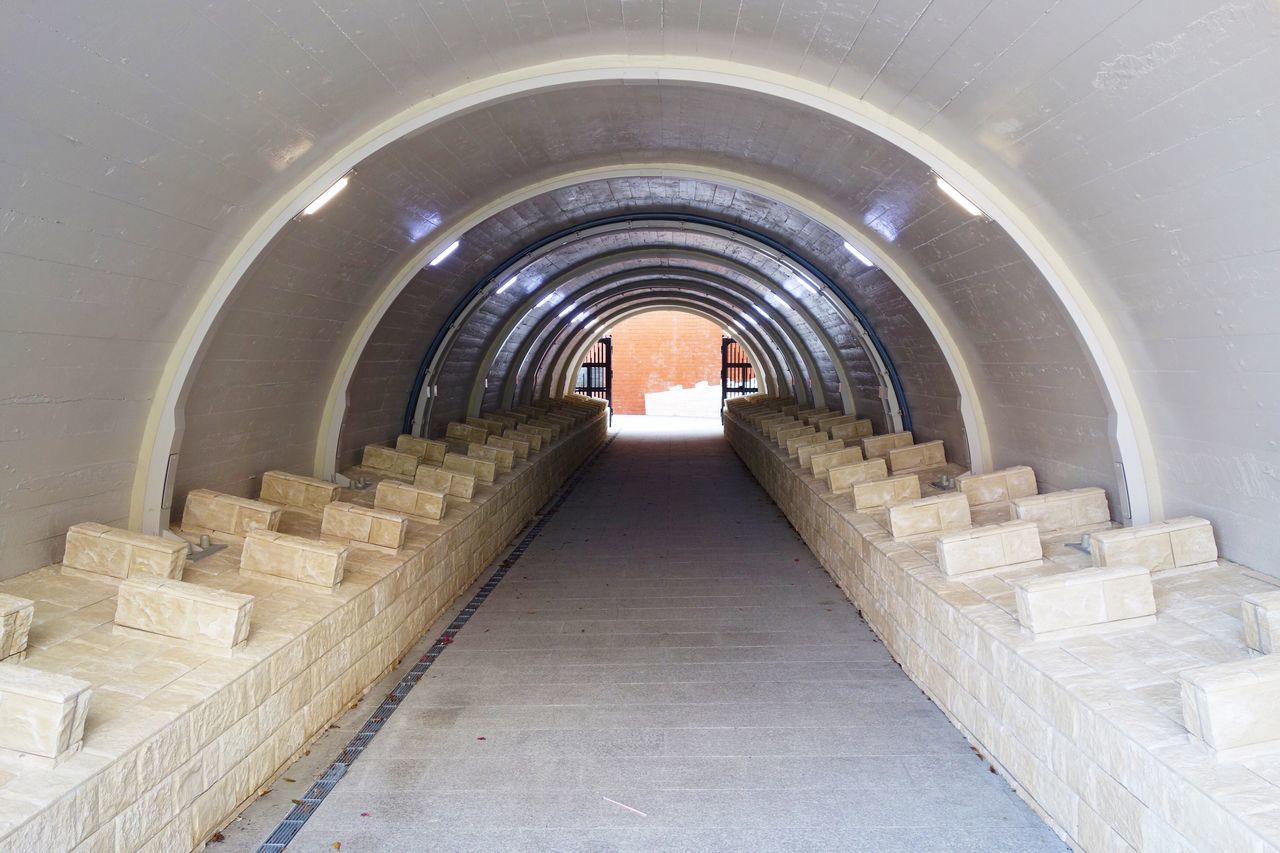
294, 558
878, 493
1085, 599
998, 486
519, 448
996, 546
295, 490
1168, 544
794, 444
1233, 705
853, 430
214, 512
913, 457
42, 713
878, 446
1063, 510
785, 435
766, 418
774, 427
379, 458
842, 478
533, 439
1262, 621
15, 625
826, 422
452, 483
934, 514
547, 434
824, 462
413, 500
184, 611
507, 421
515, 416
426, 449
503, 460
483, 470
489, 425
545, 423
805, 454
362, 524
100, 550
466, 432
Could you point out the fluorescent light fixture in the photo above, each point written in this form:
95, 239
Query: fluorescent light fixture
549, 297
851, 249
763, 313
584, 315
752, 320
445, 252
327, 196
569, 310
958, 198
506, 285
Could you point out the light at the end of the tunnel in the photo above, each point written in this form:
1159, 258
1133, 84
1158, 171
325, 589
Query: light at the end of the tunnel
327, 195
506, 285
851, 249
958, 198
446, 252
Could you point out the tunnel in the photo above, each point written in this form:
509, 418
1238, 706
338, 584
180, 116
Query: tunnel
313, 538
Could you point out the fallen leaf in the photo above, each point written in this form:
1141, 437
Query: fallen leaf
364, 814
216, 837
337, 845
479, 738
287, 779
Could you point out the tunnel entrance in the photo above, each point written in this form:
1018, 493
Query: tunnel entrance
668, 364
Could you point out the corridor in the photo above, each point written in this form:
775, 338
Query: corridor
666, 667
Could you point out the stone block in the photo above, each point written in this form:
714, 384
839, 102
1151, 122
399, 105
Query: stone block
533, 439
503, 460
1014, 543
519, 448
452, 483
1262, 621
483, 470
914, 457
361, 524
1064, 510
281, 487
412, 500
775, 427
854, 430
842, 478
547, 434
15, 625
466, 432
379, 458
515, 416
998, 486
489, 425
96, 549
1088, 598
784, 435
427, 450
1170, 544
805, 454
184, 611
214, 512
827, 421
1231, 706
42, 713
935, 514
507, 421
824, 462
794, 444
555, 428
763, 420
294, 558
880, 493
878, 446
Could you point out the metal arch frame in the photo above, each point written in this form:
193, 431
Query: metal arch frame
430, 361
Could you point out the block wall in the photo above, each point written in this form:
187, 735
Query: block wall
654, 351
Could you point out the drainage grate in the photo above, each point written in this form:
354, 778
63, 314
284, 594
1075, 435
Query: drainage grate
289, 828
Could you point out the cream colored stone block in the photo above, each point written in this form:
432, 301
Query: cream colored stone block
452, 483
466, 432
842, 478
878, 446
794, 444
427, 450
503, 460
533, 439
872, 495
851, 430
1170, 544
914, 457
519, 448
776, 427
547, 434
214, 512
545, 423
483, 470
294, 558
100, 550
998, 486
184, 611
295, 490
413, 500
515, 416
824, 462
1085, 599
507, 421
785, 435
1233, 705
15, 624
935, 514
761, 422
1014, 543
827, 421
379, 458
805, 454
1261, 612
1064, 510
42, 713
492, 427
362, 524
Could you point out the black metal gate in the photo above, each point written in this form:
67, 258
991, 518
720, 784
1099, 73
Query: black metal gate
595, 377
737, 376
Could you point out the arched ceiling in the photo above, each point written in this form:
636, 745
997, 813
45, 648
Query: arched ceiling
1125, 154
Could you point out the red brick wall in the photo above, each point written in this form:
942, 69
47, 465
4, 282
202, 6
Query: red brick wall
654, 351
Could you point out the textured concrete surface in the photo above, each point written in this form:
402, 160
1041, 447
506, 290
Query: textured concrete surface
666, 668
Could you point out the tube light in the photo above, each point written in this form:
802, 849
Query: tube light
545, 299
446, 252
958, 198
327, 196
763, 313
584, 315
506, 285
851, 249
568, 310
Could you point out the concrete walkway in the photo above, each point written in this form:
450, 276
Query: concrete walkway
666, 668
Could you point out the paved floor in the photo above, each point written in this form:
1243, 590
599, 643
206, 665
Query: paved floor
666, 668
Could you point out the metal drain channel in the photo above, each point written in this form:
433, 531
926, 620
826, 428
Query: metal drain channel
288, 829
